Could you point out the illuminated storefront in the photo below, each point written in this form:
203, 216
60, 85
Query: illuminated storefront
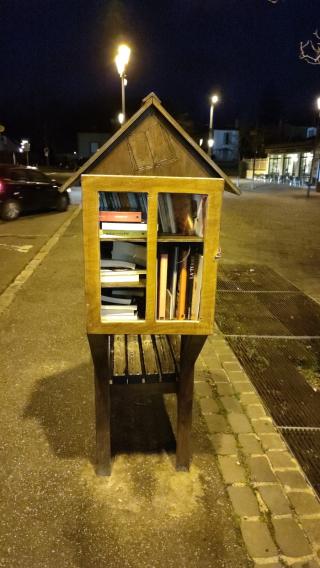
293, 161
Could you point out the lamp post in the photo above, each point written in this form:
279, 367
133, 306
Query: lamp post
121, 61
214, 100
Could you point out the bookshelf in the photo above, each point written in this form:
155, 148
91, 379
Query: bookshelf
164, 223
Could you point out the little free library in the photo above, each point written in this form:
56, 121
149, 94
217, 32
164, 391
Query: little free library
151, 220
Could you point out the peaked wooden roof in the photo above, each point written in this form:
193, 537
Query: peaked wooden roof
149, 101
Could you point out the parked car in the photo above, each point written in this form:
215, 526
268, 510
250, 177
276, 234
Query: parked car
24, 189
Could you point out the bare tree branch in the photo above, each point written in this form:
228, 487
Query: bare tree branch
310, 50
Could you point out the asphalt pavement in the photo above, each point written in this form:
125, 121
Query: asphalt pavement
54, 511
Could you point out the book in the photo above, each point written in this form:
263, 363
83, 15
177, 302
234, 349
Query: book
120, 216
200, 214
114, 300
128, 293
190, 280
173, 283
164, 222
113, 277
124, 201
163, 272
115, 263
118, 317
183, 212
182, 285
197, 285
128, 234
129, 252
171, 216
119, 309
168, 304
124, 227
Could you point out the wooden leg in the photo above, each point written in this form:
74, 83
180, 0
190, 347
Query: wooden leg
100, 352
191, 346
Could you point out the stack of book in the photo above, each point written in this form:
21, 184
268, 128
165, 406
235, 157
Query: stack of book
179, 284
126, 267
114, 310
122, 224
182, 213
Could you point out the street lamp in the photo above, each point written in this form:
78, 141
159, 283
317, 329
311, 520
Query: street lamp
121, 61
214, 100
25, 147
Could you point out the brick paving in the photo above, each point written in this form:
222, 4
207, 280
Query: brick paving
276, 508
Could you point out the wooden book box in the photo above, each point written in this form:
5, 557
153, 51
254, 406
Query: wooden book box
151, 218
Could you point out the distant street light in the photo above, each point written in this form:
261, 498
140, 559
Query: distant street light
25, 147
121, 61
214, 100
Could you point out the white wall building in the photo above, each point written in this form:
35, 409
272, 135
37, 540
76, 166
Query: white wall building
226, 145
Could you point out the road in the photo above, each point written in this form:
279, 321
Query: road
270, 224
54, 511
20, 240
278, 226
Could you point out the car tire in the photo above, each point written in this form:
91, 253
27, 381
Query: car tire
11, 210
62, 203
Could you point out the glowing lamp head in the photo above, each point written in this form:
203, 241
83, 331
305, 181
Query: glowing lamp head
214, 99
210, 142
120, 65
121, 117
318, 104
124, 52
122, 58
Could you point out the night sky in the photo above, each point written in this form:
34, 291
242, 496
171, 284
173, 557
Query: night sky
58, 74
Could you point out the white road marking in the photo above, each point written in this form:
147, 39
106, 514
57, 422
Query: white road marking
9, 294
21, 248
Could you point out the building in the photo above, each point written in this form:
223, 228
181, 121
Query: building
291, 162
7, 149
89, 142
226, 145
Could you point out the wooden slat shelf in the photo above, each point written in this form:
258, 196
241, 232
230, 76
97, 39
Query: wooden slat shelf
140, 284
179, 238
145, 359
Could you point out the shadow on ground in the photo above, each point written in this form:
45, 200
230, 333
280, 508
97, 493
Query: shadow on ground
63, 404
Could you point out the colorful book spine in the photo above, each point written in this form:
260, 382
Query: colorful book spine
182, 287
128, 234
162, 285
120, 216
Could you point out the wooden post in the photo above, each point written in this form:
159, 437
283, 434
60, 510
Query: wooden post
100, 352
191, 346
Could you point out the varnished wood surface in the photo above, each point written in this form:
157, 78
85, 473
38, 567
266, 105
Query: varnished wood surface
182, 156
166, 362
190, 349
100, 351
149, 359
134, 359
92, 184
119, 374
